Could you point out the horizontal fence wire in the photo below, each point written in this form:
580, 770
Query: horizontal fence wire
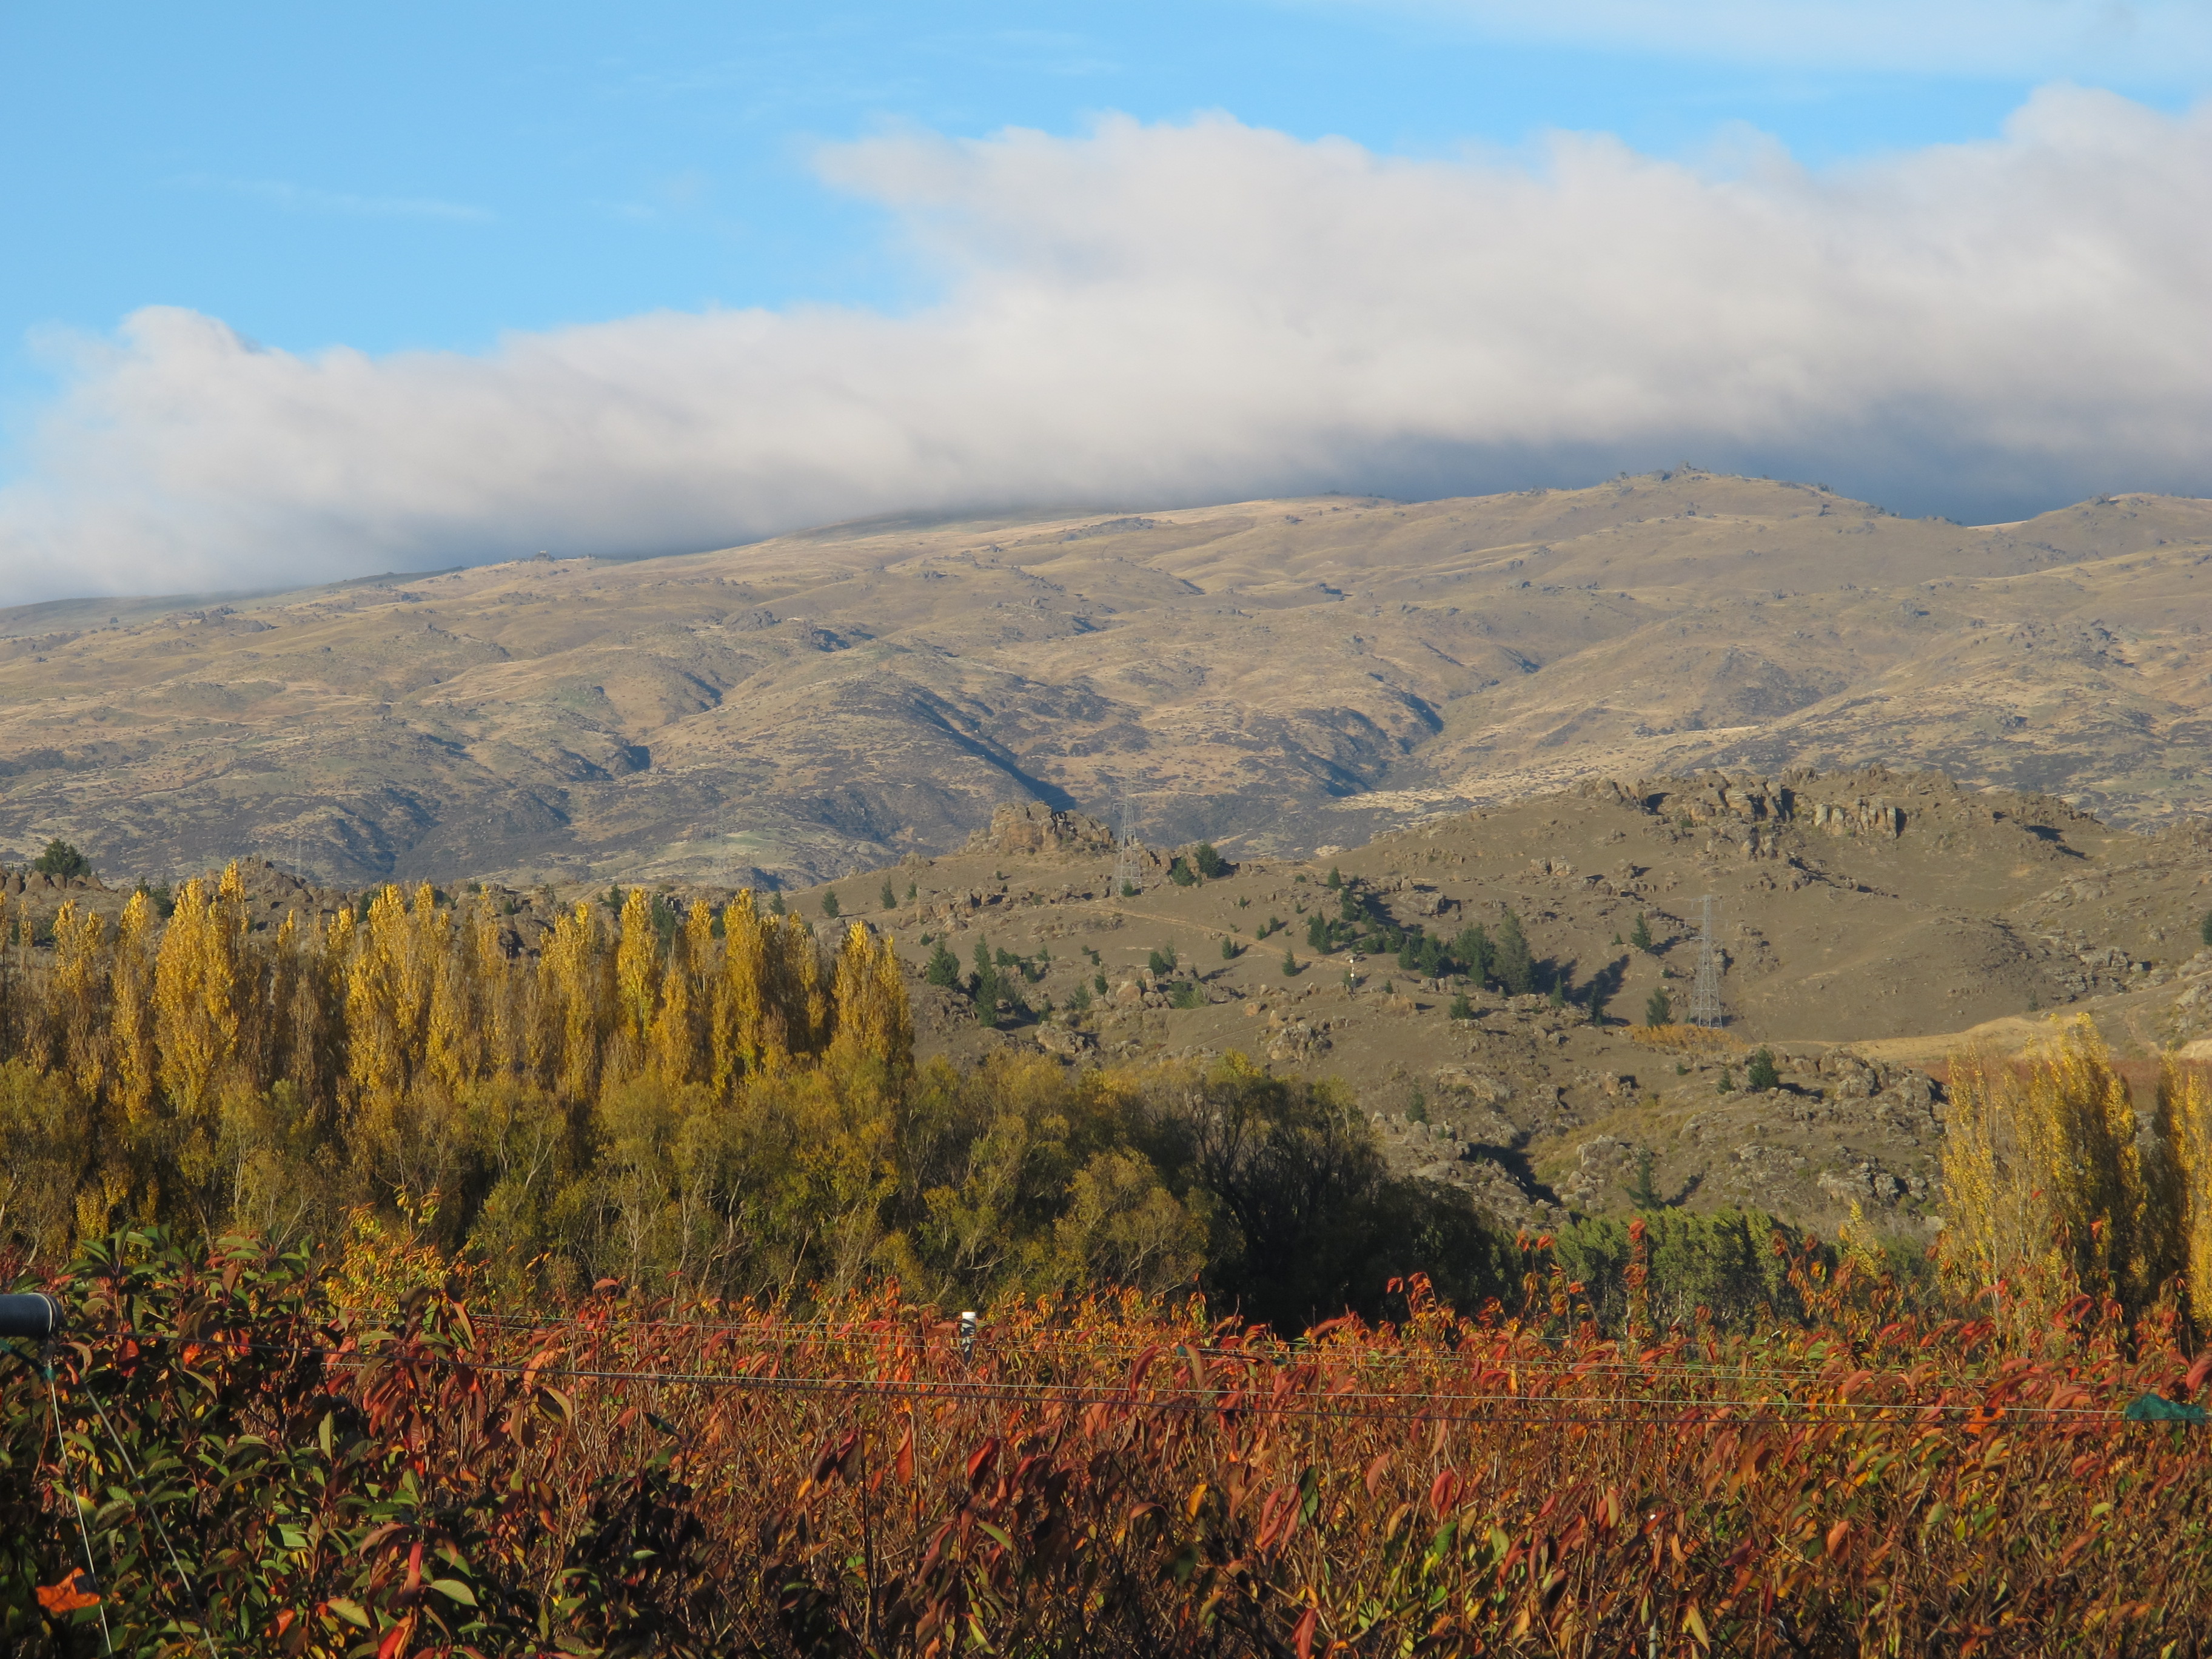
1426, 1405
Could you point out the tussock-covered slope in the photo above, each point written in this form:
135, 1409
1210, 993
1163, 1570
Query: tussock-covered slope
1278, 675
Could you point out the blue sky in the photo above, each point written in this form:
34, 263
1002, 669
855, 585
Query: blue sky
410, 178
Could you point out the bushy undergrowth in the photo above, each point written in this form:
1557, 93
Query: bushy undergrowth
260, 1470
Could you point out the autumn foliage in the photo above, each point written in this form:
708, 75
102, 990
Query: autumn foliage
259, 1470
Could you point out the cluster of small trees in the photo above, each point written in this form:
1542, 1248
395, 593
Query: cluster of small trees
1503, 959
719, 1096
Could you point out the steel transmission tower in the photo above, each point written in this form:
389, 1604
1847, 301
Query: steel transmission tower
1124, 847
1705, 989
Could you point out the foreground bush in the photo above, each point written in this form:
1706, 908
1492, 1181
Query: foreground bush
1106, 1475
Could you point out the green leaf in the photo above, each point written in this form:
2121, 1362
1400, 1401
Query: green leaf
349, 1610
454, 1590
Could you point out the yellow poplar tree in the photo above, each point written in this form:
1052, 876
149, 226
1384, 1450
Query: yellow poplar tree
131, 1012
570, 966
637, 979
2185, 1102
196, 1023
78, 994
743, 1039
875, 1022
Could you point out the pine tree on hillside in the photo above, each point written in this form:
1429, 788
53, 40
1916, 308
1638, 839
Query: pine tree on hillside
1511, 964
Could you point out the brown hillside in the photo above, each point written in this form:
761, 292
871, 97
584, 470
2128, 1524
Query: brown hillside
1278, 675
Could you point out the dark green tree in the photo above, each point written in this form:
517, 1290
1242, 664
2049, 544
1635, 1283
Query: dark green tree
986, 989
830, 902
1758, 1072
1472, 949
1230, 952
1290, 965
890, 895
1162, 961
1641, 1193
1461, 1008
944, 967
1179, 872
1209, 860
1640, 935
1658, 1010
1336, 878
1511, 964
61, 859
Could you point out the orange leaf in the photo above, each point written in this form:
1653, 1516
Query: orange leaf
1838, 1535
66, 1596
1303, 1635
1443, 1490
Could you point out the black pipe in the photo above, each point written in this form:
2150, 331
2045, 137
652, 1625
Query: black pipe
34, 1316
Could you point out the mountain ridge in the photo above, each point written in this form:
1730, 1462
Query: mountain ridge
1277, 675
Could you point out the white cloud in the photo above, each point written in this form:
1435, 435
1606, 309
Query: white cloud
1160, 313
2163, 42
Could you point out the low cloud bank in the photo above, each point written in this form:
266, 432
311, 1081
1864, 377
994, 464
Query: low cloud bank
1160, 313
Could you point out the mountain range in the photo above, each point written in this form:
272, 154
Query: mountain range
1279, 676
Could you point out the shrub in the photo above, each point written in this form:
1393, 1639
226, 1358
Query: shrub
1230, 952
61, 859
1760, 1072
1210, 861
1129, 890
1187, 993
1098, 983
1461, 1008
1162, 961
1180, 873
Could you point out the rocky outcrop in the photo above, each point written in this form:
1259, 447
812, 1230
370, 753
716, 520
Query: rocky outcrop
1018, 828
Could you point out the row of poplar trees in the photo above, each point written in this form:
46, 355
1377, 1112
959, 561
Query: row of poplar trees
2055, 1185
217, 1073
